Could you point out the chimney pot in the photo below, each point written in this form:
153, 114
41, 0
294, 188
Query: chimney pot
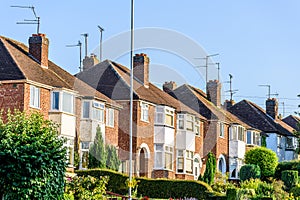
169, 86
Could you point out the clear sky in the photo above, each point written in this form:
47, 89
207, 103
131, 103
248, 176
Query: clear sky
258, 42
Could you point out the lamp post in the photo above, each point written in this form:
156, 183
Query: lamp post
131, 96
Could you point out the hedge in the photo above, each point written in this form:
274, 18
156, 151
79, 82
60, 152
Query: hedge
290, 178
249, 171
116, 182
287, 165
153, 188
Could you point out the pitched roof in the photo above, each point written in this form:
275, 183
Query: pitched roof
256, 117
292, 121
113, 79
197, 100
16, 63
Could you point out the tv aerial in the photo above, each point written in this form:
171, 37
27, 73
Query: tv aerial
30, 21
79, 44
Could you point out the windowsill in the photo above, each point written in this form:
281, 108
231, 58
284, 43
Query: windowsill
185, 173
89, 119
31, 106
146, 121
61, 112
109, 126
164, 169
223, 137
164, 125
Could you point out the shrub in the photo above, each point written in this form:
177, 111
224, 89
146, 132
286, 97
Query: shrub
249, 171
290, 178
97, 153
232, 193
265, 158
221, 183
287, 165
295, 191
210, 169
33, 160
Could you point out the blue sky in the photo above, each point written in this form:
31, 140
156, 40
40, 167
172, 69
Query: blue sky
258, 42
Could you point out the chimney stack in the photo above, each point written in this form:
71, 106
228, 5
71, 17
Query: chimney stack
141, 68
272, 107
38, 48
169, 86
89, 62
228, 104
214, 92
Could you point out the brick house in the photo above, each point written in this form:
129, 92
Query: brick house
279, 135
159, 150
293, 121
225, 134
30, 82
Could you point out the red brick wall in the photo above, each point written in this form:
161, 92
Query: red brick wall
111, 133
184, 176
12, 97
163, 174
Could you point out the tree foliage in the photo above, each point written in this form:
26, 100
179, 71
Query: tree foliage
32, 158
112, 162
210, 170
265, 158
249, 171
97, 154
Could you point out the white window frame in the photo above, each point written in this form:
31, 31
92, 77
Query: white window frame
161, 113
169, 112
87, 111
98, 109
190, 121
180, 122
158, 156
189, 157
34, 96
197, 127
110, 118
168, 152
54, 101
144, 112
180, 161
61, 102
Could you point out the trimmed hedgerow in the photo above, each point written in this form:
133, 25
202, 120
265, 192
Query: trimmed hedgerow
116, 182
290, 178
164, 188
249, 171
153, 188
287, 165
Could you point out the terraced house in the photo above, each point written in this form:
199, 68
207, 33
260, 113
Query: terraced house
29, 81
225, 134
167, 135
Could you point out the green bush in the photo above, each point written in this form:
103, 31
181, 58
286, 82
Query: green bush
32, 158
295, 191
210, 169
287, 165
290, 178
116, 182
265, 158
232, 193
153, 188
249, 171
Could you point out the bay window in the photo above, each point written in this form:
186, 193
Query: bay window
62, 101
163, 157
164, 116
189, 161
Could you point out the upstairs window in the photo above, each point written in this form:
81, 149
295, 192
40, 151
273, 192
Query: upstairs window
180, 121
62, 101
249, 137
241, 133
190, 123
68, 101
144, 112
253, 138
34, 96
233, 133
222, 134
197, 127
86, 109
164, 116
169, 117
110, 117
98, 111
55, 100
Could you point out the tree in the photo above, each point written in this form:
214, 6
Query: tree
210, 169
112, 162
265, 158
249, 171
33, 160
97, 153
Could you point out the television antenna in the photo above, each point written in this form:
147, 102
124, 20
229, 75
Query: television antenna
30, 21
101, 30
79, 44
231, 91
85, 35
269, 90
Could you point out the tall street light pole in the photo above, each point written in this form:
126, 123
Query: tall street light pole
131, 96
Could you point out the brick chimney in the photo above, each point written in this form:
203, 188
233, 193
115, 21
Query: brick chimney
228, 104
38, 48
213, 90
141, 68
89, 62
169, 86
272, 107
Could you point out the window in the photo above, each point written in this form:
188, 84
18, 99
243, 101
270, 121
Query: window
197, 127
144, 112
159, 116
233, 133
289, 143
190, 123
221, 129
110, 117
34, 96
55, 100
241, 131
168, 157
159, 156
249, 136
180, 121
98, 111
279, 141
69, 144
180, 160
189, 161
169, 117
68, 101
86, 109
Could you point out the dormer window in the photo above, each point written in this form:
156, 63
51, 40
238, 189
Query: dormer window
62, 101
